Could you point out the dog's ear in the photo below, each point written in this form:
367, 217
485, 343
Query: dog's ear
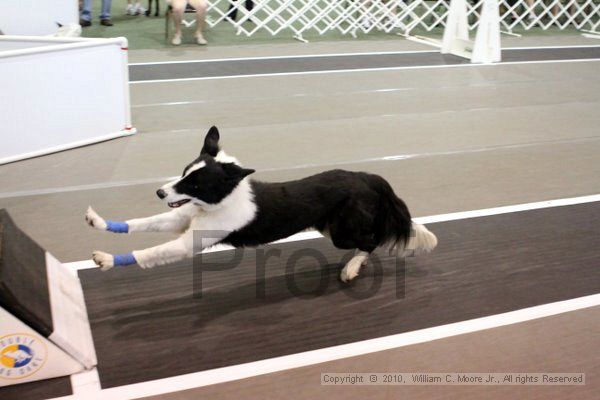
211, 142
235, 172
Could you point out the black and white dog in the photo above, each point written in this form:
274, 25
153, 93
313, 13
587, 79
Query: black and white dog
356, 210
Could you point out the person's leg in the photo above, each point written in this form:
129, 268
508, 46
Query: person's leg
201, 7
86, 11
530, 13
232, 12
555, 9
178, 10
105, 13
391, 14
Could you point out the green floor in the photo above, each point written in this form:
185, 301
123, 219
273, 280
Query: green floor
149, 32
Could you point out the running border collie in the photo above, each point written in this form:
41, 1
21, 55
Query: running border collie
357, 210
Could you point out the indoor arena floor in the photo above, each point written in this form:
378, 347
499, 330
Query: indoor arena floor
448, 136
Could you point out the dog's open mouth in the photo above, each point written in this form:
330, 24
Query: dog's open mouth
178, 203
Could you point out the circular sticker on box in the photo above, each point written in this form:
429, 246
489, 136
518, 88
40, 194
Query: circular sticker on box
21, 355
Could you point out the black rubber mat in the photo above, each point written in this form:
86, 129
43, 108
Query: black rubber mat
223, 68
23, 278
148, 324
39, 390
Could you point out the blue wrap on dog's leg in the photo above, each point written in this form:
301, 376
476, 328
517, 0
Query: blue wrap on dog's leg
117, 227
123, 259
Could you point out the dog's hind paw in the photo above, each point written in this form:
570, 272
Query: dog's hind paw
349, 272
104, 260
94, 220
352, 268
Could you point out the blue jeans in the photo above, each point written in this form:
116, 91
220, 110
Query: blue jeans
86, 12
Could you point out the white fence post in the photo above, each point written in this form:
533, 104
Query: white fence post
487, 47
456, 34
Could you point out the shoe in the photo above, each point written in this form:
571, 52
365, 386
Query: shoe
84, 23
200, 39
106, 22
176, 40
130, 10
139, 10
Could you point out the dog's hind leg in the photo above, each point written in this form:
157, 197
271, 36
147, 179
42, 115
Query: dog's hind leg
352, 228
422, 240
176, 221
351, 269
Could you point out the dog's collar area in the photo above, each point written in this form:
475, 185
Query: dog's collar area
178, 203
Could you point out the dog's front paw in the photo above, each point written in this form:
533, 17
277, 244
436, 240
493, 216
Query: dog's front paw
104, 260
94, 220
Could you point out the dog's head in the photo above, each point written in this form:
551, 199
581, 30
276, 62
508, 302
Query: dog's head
206, 181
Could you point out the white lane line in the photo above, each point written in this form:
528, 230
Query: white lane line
376, 53
257, 98
277, 364
396, 157
77, 188
383, 69
311, 234
400, 157
575, 46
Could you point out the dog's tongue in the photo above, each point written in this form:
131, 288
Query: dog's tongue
178, 203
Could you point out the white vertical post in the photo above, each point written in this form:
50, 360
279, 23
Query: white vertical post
457, 26
487, 41
125, 49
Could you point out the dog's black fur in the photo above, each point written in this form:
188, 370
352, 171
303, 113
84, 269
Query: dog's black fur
357, 210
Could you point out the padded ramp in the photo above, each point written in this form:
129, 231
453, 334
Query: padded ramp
44, 330
23, 272
148, 325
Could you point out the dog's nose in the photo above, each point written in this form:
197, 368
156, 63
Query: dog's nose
161, 193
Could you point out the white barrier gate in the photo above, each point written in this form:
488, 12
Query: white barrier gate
60, 93
363, 16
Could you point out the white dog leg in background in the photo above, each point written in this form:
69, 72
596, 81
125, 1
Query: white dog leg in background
176, 221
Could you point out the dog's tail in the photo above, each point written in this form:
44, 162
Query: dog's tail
422, 240
393, 222
396, 228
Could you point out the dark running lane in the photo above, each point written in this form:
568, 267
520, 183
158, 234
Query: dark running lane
224, 68
38, 390
147, 325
